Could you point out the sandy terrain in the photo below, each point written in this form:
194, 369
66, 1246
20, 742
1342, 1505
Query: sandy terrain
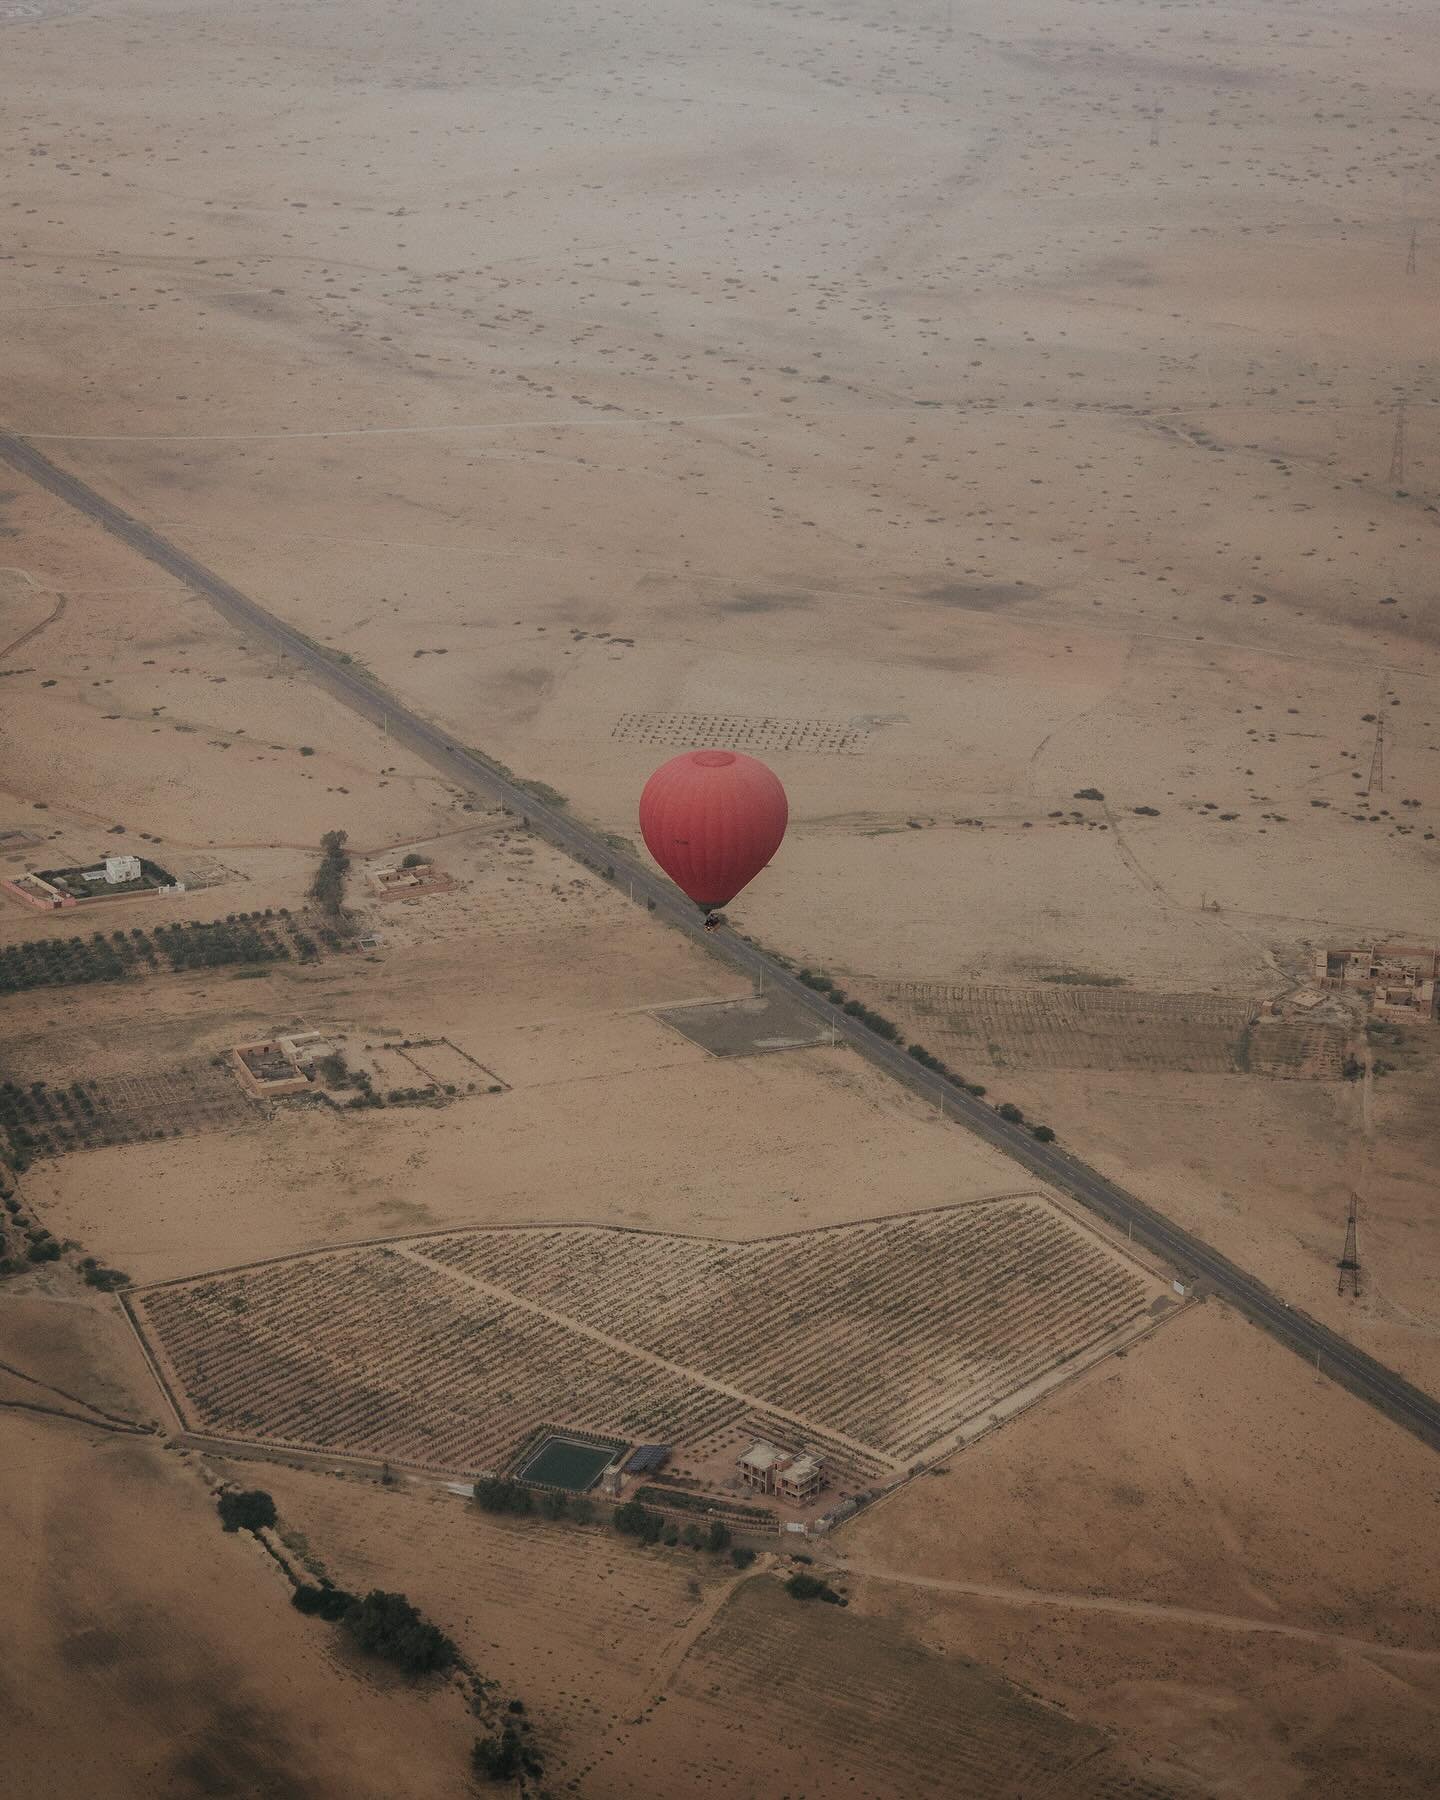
661, 1666
1182, 1471
965, 408
139, 1621
1273, 1188
920, 278
610, 1115
1239, 1540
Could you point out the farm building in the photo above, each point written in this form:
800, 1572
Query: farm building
410, 884
118, 877
770, 1470
267, 1072
1401, 979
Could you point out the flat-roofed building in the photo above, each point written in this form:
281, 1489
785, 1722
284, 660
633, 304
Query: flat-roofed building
792, 1477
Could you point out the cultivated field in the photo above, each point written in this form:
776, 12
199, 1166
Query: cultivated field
881, 1344
36, 1120
1071, 1026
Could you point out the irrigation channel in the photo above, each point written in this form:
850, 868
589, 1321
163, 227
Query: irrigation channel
1189, 1256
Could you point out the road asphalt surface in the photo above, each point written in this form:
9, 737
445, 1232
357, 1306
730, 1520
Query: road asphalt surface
1191, 1259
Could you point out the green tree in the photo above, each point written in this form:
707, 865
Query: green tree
635, 1520
388, 1626
505, 1755
327, 890
497, 1494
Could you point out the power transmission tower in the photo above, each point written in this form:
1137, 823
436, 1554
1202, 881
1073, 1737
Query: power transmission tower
1350, 1261
1397, 446
1410, 255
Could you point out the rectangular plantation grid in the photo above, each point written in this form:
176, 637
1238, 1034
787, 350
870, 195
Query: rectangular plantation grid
732, 731
880, 1344
50, 1118
1065, 1025
565, 1463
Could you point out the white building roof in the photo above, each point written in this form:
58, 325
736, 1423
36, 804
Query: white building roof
761, 1455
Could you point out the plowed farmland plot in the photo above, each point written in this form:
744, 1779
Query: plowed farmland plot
887, 1716
1299, 1049
511, 901
877, 1344
1061, 1026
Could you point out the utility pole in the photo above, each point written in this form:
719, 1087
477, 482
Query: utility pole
1414, 245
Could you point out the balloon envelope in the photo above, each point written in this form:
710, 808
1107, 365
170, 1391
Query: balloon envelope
712, 819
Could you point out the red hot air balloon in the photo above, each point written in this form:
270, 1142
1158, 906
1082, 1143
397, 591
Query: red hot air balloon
712, 819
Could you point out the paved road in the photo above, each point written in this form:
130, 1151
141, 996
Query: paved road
1187, 1254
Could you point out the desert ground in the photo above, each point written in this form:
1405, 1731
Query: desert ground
545, 366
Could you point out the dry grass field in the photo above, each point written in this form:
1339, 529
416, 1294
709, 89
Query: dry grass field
1017, 423
1239, 1545
881, 1345
659, 1669
573, 1621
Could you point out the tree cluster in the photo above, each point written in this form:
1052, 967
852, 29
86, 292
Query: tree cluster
252, 938
381, 1624
246, 1509
327, 890
507, 1753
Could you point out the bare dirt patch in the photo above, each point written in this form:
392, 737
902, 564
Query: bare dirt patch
746, 1027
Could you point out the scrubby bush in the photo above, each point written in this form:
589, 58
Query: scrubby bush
323, 1602
801, 1586
506, 1754
246, 1509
